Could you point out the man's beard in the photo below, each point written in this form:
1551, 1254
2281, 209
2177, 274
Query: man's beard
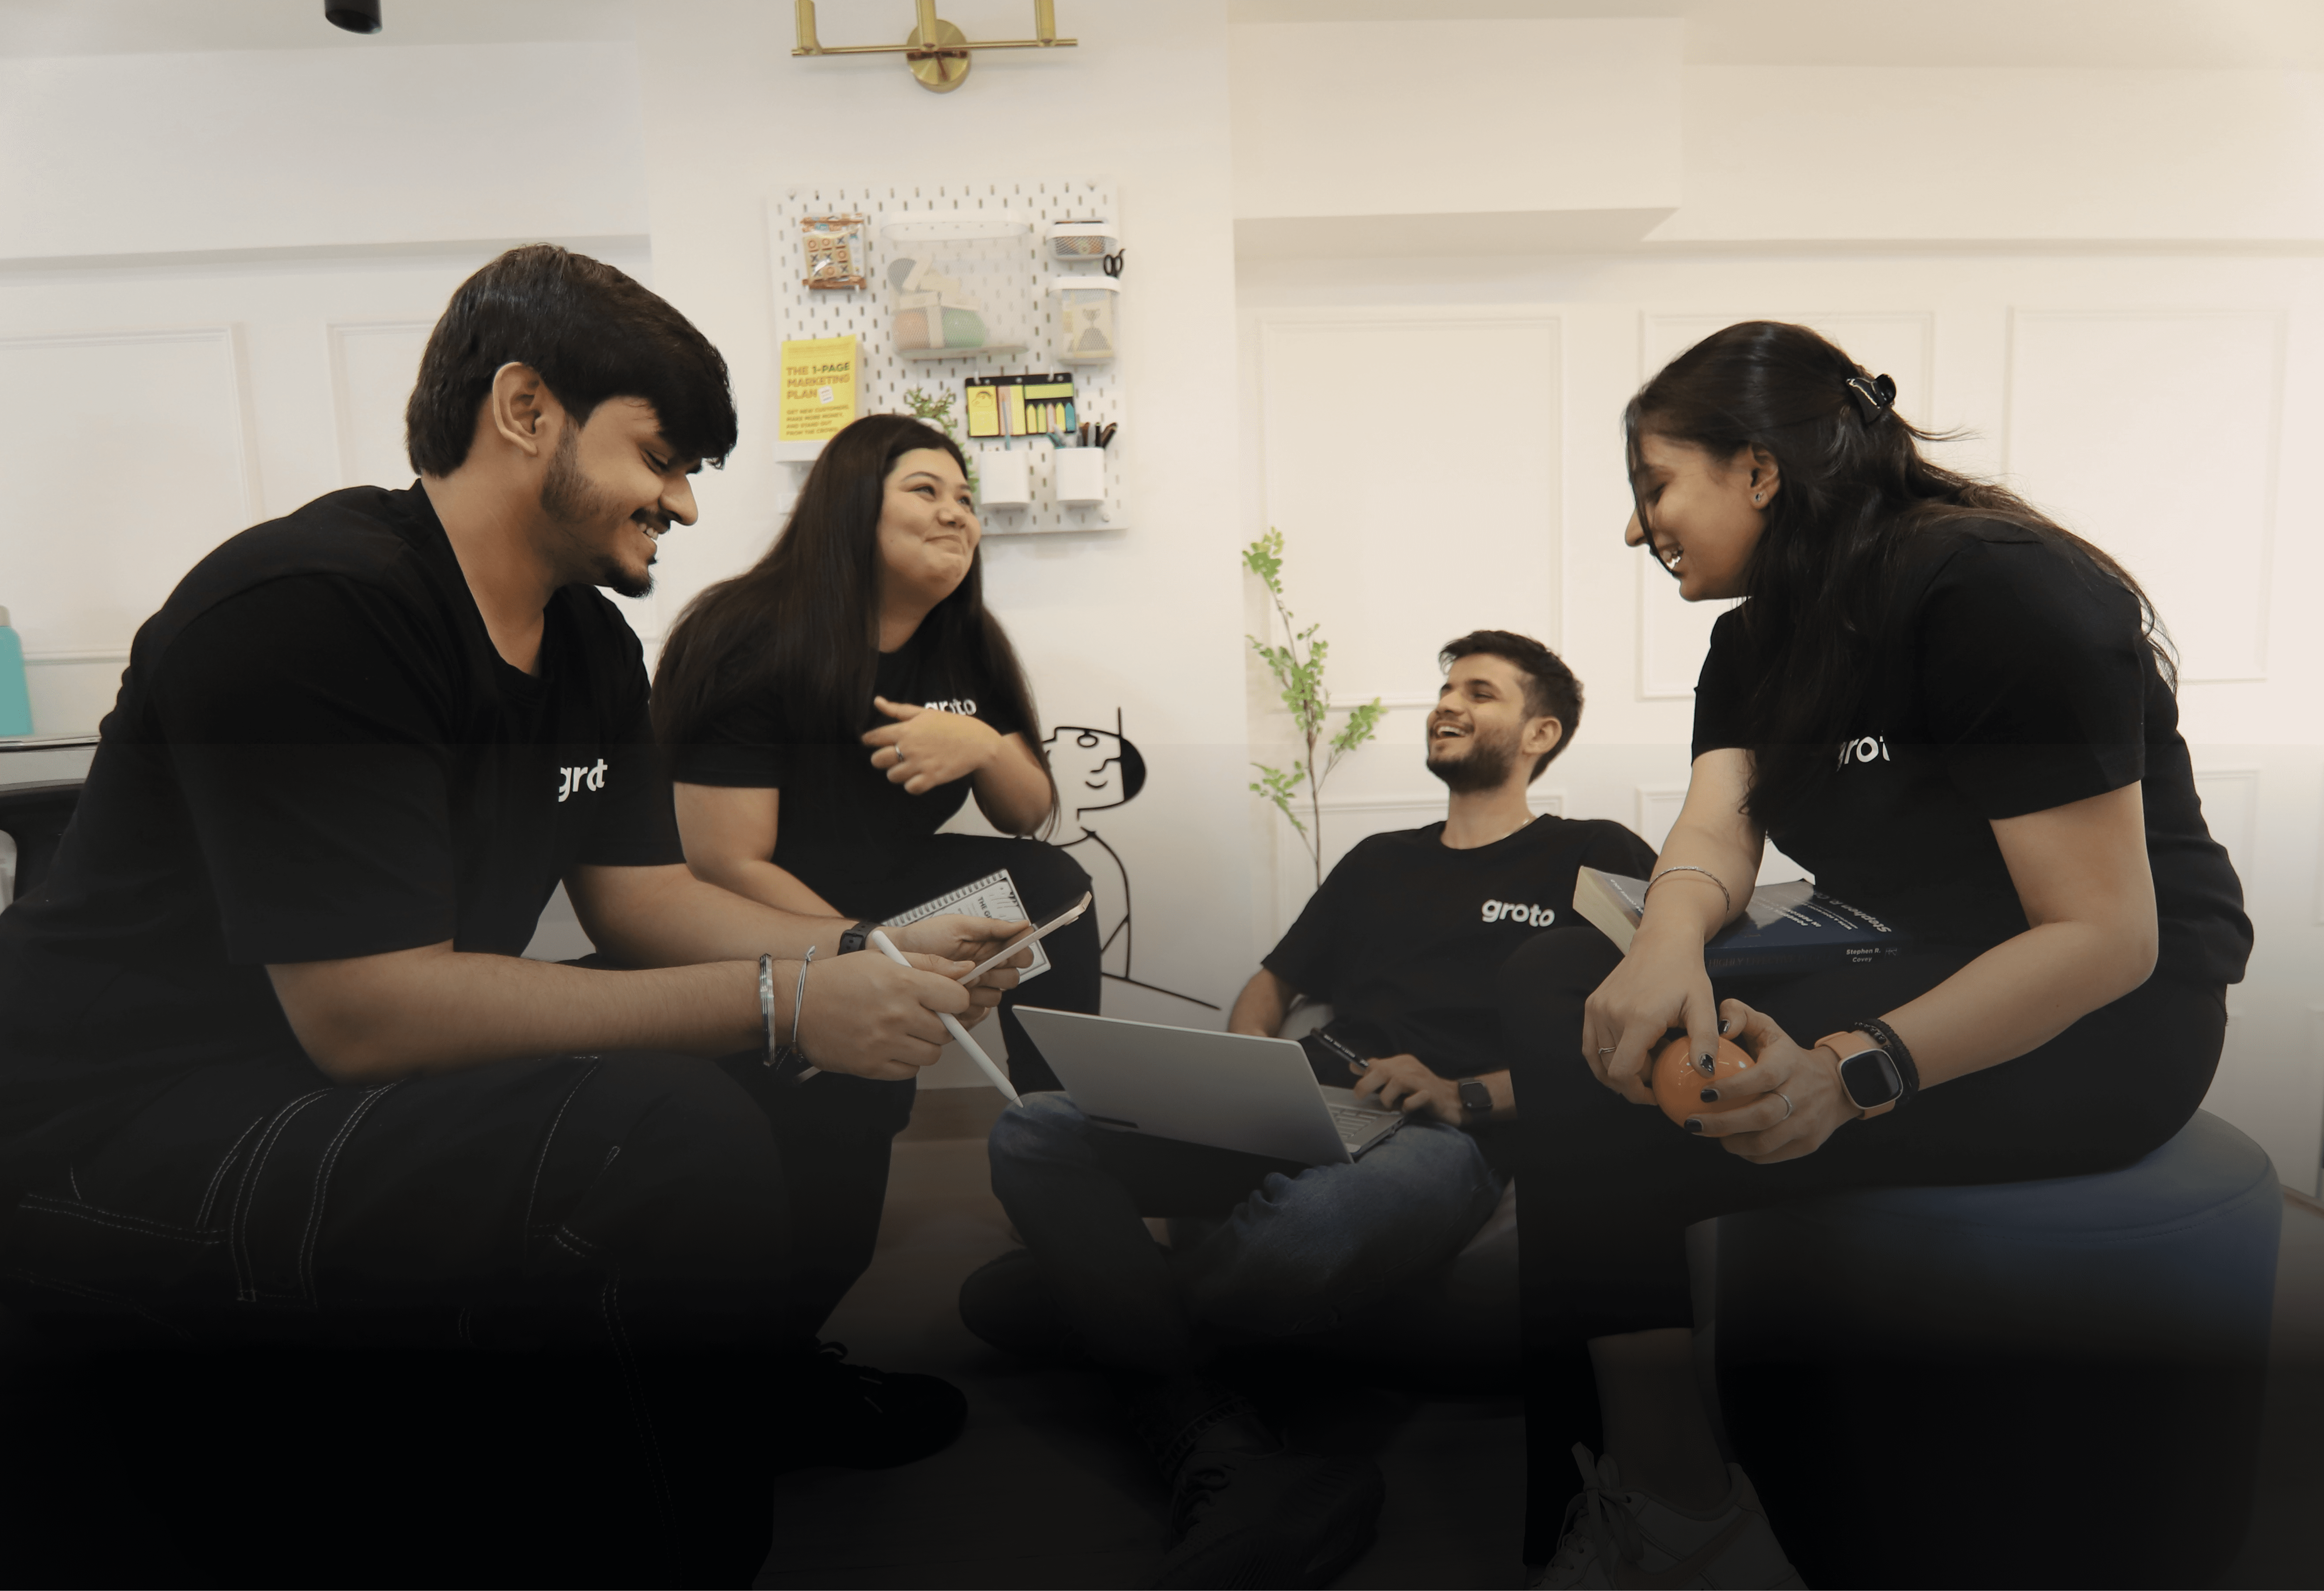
1486, 765
573, 502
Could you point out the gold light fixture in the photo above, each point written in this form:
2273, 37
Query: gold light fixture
937, 50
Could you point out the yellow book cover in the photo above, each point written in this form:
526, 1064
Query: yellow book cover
818, 399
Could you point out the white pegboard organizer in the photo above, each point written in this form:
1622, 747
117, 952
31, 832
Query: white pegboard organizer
864, 313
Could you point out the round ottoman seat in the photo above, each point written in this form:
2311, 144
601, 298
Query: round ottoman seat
2033, 1383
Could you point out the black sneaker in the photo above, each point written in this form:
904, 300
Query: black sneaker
1244, 1509
1283, 1518
1009, 1304
860, 1418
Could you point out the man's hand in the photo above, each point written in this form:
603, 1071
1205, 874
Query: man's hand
928, 746
1402, 1082
866, 1015
964, 941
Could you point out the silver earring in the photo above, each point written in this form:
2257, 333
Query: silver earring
1759, 496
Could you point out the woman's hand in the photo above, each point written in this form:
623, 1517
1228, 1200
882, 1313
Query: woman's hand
1799, 1101
928, 746
1660, 985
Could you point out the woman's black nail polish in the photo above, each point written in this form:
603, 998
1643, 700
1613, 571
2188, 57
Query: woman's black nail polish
1724, 1024
1693, 1124
1711, 1096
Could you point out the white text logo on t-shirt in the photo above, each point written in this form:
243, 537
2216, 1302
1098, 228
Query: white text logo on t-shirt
1870, 749
964, 705
1511, 911
570, 779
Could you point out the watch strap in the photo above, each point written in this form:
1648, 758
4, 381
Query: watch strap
855, 939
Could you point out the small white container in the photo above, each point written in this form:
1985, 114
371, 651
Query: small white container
1078, 473
1086, 317
1075, 243
1004, 478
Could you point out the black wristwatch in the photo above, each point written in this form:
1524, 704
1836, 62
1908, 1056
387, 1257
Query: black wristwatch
1476, 1098
1869, 1076
855, 939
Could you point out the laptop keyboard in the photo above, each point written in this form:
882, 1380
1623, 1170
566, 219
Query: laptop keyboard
1355, 1123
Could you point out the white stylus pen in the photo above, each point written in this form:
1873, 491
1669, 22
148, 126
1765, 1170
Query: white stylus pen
886, 947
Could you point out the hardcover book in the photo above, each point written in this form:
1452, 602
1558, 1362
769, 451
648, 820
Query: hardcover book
1785, 929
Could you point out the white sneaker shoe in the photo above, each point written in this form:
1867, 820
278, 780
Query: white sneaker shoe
1613, 1538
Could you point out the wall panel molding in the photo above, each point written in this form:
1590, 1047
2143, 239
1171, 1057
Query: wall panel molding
2156, 433
74, 407
2230, 798
1383, 432
363, 354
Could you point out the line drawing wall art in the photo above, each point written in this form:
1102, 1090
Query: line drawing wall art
1097, 769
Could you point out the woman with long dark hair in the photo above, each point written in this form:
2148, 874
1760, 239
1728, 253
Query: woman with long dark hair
1960, 718
830, 708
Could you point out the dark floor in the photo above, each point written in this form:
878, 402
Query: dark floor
1043, 1490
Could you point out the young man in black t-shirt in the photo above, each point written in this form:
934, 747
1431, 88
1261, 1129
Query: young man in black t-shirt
272, 1067
1403, 940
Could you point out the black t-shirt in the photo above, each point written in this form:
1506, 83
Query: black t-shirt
843, 825
315, 754
1407, 935
2011, 677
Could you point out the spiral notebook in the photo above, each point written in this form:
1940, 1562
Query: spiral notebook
993, 895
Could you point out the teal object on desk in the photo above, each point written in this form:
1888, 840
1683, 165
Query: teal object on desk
15, 701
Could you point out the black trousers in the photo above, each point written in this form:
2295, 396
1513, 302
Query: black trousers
1607, 1189
1047, 879
524, 1322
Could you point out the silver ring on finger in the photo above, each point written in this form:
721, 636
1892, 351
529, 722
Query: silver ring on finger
1786, 1099
1607, 1050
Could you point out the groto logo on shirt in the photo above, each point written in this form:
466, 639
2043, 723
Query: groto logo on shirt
964, 705
1870, 749
580, 778
1510, 911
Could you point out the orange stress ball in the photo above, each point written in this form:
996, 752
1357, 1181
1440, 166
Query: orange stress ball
1679, 1079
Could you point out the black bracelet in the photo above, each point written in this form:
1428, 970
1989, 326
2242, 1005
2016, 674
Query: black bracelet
1885, 1037
855, 939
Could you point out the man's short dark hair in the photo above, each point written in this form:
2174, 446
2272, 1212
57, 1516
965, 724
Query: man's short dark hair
592, 333
1550, 690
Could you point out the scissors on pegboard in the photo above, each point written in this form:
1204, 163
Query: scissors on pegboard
1112, 262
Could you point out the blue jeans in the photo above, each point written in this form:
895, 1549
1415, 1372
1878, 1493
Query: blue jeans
1287, 1250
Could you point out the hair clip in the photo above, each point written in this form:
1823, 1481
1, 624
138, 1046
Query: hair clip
1875, 395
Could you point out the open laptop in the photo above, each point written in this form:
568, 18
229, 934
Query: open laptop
1226, 1090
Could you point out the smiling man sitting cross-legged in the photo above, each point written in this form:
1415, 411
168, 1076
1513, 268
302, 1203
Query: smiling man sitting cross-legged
1403, 940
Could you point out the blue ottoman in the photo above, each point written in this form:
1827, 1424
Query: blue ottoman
2029, 1383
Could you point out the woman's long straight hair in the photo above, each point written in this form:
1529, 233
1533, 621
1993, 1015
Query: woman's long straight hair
1853, 492
802, 624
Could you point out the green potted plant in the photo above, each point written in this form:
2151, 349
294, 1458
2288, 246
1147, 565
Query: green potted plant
1297, 669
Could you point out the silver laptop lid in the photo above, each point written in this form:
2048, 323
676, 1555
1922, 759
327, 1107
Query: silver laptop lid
1227, 1090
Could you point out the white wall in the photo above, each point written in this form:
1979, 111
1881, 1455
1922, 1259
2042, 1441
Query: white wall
2138, 345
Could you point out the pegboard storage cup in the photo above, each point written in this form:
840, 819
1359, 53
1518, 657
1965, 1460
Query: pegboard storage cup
1078, 474
1004, 478
1085, 314
1076, 242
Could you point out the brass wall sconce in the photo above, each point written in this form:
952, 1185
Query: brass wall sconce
937, 50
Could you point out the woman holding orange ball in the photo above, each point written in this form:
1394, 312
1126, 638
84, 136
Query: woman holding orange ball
1960, 717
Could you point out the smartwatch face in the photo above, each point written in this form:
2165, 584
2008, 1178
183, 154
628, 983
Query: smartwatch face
1474, 1095
1871, 1077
